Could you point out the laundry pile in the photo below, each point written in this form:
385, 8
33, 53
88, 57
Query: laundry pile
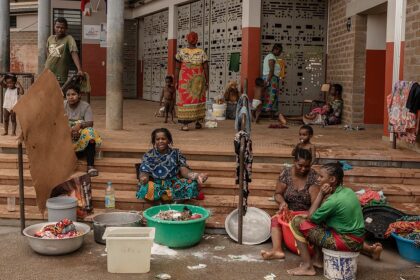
61, 230
407, 227
368, 197
173, 215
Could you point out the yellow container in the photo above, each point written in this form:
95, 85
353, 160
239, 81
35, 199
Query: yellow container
129, 249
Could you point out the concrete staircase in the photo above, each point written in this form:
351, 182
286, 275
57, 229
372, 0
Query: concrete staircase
401, 186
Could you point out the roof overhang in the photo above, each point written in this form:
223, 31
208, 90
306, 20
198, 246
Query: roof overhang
357, 7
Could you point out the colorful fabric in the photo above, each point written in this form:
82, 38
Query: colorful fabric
342, 212
368, 196
271, 97
163, 166
401, 121
191, 98
59, 56
404, 226
168, 189
282, 65
306, 231
11, 97
297, 200
334, 116
87, 135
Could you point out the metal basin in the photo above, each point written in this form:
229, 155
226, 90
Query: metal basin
55, 246
114, 219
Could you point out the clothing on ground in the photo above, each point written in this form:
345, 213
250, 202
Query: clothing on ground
59, 56
191, 97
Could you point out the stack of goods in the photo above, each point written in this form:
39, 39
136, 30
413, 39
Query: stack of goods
173, 215
407, 227
63, 229
368, 197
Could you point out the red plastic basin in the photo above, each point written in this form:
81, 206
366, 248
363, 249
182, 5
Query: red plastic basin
288, 237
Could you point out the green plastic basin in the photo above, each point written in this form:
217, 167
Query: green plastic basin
177, 234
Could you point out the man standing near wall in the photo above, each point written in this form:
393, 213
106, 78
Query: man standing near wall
60, 48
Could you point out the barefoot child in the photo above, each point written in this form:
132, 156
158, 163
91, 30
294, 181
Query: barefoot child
168, 97
11, 96
305, 134
259, 93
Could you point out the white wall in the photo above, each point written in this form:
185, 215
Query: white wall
96, 18
376, 32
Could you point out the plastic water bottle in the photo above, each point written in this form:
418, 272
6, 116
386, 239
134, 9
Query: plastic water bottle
109, 196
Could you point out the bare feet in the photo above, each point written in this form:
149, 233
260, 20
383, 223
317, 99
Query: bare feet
272, 255
318, 263
302, 271
13, 134
4, 134
377, 250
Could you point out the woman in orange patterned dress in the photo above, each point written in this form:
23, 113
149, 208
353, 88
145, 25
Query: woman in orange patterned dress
192, 81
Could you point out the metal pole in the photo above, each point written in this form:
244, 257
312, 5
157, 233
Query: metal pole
241, 186
114, 67
4, 42
44, 30
21, 188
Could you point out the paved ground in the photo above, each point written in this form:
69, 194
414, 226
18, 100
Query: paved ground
18, 261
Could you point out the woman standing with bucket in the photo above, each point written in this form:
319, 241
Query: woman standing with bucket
339, 209
191, 81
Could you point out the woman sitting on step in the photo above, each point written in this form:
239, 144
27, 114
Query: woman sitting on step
164, 173
85, 138
296, 190
335, 221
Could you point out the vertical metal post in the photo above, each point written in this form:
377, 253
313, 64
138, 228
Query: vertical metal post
4, 43
241, 186
21, 187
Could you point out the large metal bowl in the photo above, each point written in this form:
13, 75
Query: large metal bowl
55, 246
113, 219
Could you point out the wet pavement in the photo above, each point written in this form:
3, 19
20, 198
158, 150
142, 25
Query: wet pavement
223, 259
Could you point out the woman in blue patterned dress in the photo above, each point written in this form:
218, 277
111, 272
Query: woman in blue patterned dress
164, 173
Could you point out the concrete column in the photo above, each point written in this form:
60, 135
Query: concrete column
172, 37
4, 35
114, 67
44, 30
251, 43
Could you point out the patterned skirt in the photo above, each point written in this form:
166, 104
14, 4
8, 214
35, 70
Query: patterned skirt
86, 136
306, 231
270, 99
191, 97
168, 190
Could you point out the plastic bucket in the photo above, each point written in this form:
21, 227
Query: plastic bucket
177, 234
407, 248
288, 236
340, 265
62, 207
219, 111
129, 249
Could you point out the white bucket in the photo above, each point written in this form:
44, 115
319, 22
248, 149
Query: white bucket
129, 249
219, 111
340, 265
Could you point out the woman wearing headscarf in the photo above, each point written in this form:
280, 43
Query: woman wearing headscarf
192, 81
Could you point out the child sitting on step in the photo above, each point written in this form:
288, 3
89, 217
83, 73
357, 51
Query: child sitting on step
11, 96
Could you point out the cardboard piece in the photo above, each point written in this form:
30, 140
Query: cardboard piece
46, 135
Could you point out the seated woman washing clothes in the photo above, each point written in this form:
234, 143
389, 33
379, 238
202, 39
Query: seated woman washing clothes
164, 173
335, 221
85, 138
329, 114
296, 190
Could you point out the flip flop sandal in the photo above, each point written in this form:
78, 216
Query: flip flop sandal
185, 128
92, 172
